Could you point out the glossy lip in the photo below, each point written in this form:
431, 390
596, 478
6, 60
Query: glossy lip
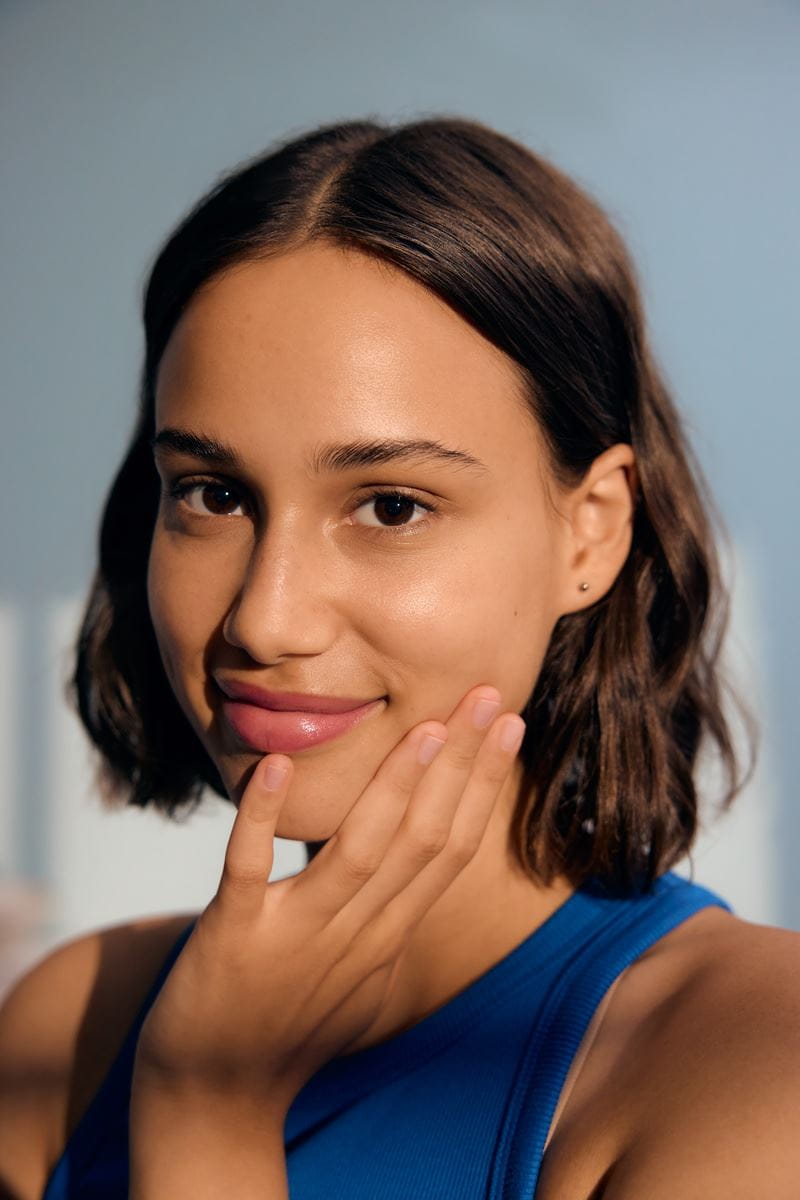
270, 731
303, 702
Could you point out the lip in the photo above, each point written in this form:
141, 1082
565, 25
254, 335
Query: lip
272, 731
295, 702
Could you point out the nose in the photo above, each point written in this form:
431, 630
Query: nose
289, 602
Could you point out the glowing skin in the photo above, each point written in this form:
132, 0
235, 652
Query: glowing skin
296, 582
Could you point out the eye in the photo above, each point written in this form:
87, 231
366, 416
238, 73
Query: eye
219, 498
395, 507
214, 491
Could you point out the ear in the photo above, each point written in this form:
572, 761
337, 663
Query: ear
598, 527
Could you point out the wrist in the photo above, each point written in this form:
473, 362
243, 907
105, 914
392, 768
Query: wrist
264, 1101
184, 1142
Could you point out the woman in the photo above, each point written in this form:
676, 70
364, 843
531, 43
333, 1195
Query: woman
403, 450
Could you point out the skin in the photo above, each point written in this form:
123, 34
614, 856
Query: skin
290, 584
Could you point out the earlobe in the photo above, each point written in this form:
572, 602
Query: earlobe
600, 527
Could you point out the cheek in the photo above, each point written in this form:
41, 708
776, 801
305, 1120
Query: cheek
186, 604
480, 617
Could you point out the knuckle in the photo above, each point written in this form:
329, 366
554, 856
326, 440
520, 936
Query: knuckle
404, 782
422, 843
460, 756
495, 770
358, 865
462, 846
242, 877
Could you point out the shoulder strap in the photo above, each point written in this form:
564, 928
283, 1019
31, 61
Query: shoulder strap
565, 1017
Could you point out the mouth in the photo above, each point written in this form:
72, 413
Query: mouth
284, 732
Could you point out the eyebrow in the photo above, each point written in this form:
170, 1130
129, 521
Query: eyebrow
326, 458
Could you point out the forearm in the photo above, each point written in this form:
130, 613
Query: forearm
193, 1148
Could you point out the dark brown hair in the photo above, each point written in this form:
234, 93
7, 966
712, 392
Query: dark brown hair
631, 686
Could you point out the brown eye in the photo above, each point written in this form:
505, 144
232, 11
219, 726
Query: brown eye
217, 497
394, 510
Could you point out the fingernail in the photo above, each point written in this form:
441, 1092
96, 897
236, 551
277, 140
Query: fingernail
429, 747
483, 711
274, 777
512, 734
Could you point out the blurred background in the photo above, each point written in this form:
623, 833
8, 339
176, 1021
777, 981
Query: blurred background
679, 117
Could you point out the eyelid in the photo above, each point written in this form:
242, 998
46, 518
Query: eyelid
177, 488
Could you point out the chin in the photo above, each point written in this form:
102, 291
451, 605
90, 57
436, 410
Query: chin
306, 825
304, 817
302, 832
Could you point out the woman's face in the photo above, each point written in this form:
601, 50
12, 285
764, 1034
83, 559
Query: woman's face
272, 573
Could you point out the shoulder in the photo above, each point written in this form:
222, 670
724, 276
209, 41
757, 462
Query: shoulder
714, 1069
62, 1024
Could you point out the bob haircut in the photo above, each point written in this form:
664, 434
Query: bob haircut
630, 686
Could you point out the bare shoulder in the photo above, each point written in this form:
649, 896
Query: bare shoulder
62, 1024
714, 1068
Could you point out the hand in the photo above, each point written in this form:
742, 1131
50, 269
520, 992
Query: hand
278, 978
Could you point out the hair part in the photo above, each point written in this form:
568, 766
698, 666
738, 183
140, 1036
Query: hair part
630, 687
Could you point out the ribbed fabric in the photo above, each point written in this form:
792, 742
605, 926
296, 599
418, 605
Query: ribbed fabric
460, 1104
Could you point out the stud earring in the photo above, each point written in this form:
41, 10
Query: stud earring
584, 587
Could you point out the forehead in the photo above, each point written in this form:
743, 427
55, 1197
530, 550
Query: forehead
343, 344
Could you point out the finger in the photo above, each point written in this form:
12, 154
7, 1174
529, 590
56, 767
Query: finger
356, 852
353, 854
421, 863
249, 853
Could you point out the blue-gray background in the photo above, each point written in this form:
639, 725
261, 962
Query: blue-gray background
680, 117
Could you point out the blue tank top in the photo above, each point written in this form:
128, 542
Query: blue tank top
460, 1104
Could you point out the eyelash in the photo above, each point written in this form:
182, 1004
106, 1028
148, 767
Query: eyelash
181, 488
